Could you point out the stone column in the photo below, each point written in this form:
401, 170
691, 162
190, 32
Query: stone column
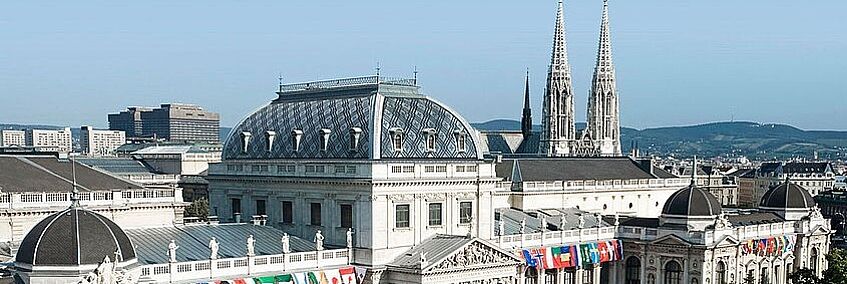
539, 275
560, 276
596, 275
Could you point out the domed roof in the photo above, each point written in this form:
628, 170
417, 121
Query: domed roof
74, 237
370, 110
691, 201
787, 195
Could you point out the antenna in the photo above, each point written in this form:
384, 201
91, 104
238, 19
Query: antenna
415, 75
74, 191
693, 169
280, 81
377, 68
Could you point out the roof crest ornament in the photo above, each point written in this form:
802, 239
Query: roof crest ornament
74, 190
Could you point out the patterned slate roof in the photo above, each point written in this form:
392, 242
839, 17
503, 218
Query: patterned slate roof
692, 201
376, 109
787, 195
576, 168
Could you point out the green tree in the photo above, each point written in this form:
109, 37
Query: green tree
837, 270
804, 276
199, 209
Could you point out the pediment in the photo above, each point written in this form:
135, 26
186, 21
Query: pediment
476, 253
671, 240
726, 241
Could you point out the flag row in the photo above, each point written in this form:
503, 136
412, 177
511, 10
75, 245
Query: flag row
346, 275
769, 246
573, 256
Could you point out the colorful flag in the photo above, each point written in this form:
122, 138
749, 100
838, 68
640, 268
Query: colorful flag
562, 257
585, 254
360, 274
619, 250
348, 275
239, 281
332, 276
595, 253
549, 262
284, 279
530, 261
264, 280
575, 256
603, 251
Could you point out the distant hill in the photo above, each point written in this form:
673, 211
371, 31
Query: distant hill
754, 140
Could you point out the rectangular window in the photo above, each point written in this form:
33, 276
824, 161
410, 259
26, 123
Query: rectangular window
408, 169
351, 169
401, 216
315, 209
287, 212
429, 169
260, 207
310, 168
588, 275
340, 169
320, 168
435, 214
460, 169
396, 169
236, 205
346, 216
465, 212
441, 169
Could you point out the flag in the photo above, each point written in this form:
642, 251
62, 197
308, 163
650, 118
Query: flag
576, 259
530, 261
562, 257
619, 250
264, 280
585, 254
222, 282
239, 281
284, 279
603, 251
348, 275
549, 262
332, 276
301, 278
360, 274
595, 253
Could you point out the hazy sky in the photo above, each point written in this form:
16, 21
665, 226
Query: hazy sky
678, 62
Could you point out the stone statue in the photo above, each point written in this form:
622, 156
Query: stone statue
543, 223
250, 244
523, 226
118, 255
581, 221
214, 246
349, 237
599, 220
816, 213
172, 247
501, 228
617, 219
286, 246
319, 240
562, 222
424, 262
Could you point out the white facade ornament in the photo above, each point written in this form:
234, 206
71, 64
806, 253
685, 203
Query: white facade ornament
349, 237
617, 219
816, 213
286, 245
319, 240
581, 221
250, 246
213, 246
172, 247
599, 220
424, 262
523, 226
501, 227
543, 224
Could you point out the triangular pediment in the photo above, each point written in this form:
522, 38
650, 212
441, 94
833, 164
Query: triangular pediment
671, 240
726, 241
474, 254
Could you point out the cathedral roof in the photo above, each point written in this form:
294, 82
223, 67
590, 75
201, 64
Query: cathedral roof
691, 201
74, 237
374, 107
787, 195
576, 168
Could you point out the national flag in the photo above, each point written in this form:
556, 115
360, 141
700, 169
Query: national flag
264, 280
618, 250
332, 276
761, 246
575, 255
301, 278
284, 279
360, 274
564, 257
549, 262
603, 251
585, 254
223, 282
348, 275
239, 281
530, 261
595, 253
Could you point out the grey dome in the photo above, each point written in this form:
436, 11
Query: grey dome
74, 237
691, 201
787, 195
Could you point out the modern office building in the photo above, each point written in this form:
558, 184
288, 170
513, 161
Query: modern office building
182, 123
11, 138
95, 142
42, 138
128, 121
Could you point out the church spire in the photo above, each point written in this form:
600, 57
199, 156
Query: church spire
558, 119
526, 119
603, 110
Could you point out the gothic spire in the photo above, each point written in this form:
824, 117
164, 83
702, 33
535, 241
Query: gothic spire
603, 110
526, 119
558, 117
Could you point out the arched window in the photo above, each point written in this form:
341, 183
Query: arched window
720, 273
461, 141
651, 279
355, 133
324, 138
695, 281
296, 136
673, 272
633, 270
431, 139
245, 141
813, 261
531, 276
396, 138
270, 137
550, 276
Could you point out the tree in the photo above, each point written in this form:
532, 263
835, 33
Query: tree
199, 209
804, 276
837, 270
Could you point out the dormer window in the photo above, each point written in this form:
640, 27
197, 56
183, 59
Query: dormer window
396, 138
270, 136
245, 141
431, 139
355, 133
461, 141
296, 137
324, 138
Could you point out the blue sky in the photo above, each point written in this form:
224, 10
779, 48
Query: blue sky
678, 62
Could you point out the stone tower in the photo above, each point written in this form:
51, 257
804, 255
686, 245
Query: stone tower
526, 118
603, 111
558, 117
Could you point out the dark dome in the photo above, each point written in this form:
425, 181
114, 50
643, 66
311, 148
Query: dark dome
692, 201
787, 195
74, 237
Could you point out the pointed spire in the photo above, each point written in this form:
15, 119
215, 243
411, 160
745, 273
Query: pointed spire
604, 49
74, 190
603, 109
526, 118
559, 60
558, 129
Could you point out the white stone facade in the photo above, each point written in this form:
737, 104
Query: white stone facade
60, 139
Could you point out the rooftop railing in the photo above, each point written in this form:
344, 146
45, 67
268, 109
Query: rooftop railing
555, 237
90, 198
345, 82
